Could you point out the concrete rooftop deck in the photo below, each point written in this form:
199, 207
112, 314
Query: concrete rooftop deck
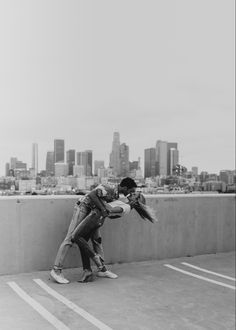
147, 295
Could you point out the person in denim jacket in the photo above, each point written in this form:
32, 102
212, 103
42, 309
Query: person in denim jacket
95, 201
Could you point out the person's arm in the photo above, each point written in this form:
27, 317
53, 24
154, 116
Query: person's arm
115, 209
94, 196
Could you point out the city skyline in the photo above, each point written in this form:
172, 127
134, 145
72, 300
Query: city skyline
151, 160
82, 74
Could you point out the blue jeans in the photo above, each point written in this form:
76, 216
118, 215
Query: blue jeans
80, 212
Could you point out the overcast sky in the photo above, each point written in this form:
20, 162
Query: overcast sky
150, 69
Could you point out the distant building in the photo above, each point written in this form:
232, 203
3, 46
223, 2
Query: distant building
204, 176
98, 164
161, 157
20, 165
59, 151
227, 176
85, 158
133, 165
150, 163
124, 160
172, 160
7, 169
27, 185
13, 161
79, 171
172, 156
115, 154
50, 163
61, 169
16, 164
35, 159
102, 172
70, 159
195, 170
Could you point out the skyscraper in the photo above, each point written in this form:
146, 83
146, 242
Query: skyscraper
13, 161
161, 156
70, 159
173, 158
150, 164
59, 151
115, 154
85, 158
35, 158
124, 160
50, 163
7, 169
171, 162
167, 156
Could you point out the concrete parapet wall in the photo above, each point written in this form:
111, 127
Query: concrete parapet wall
32, 228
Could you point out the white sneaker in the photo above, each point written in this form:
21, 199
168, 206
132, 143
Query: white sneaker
59, 278
107, 274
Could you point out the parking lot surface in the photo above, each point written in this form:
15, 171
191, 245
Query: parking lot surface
184, 293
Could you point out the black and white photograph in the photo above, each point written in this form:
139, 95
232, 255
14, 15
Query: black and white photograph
117, 165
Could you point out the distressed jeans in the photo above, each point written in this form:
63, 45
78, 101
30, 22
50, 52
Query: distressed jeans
80, 212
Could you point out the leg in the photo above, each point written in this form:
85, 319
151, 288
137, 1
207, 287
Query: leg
87, 275
85, 230
79, 214
96, 239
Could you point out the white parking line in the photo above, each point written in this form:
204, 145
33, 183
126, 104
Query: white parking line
208, 271
39, 308
100, 325
200, 277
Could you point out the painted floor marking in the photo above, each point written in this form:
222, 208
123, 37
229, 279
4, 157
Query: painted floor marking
208, 271
90, 318
39, 308
200, 277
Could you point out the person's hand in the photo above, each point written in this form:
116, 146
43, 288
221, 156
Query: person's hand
133, 203
105, 213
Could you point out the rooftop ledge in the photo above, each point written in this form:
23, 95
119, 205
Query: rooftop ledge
179, 195
33, 227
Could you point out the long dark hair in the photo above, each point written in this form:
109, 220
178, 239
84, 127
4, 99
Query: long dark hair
145, 212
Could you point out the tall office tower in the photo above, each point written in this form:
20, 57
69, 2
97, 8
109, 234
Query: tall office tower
98, 164
13, 161
150, 164
85, 158
195, 170
35, 158
171, 145
7, 169
174, 159
50, 163
59, 151
115, 154
70, 159
124, 160
161, 156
